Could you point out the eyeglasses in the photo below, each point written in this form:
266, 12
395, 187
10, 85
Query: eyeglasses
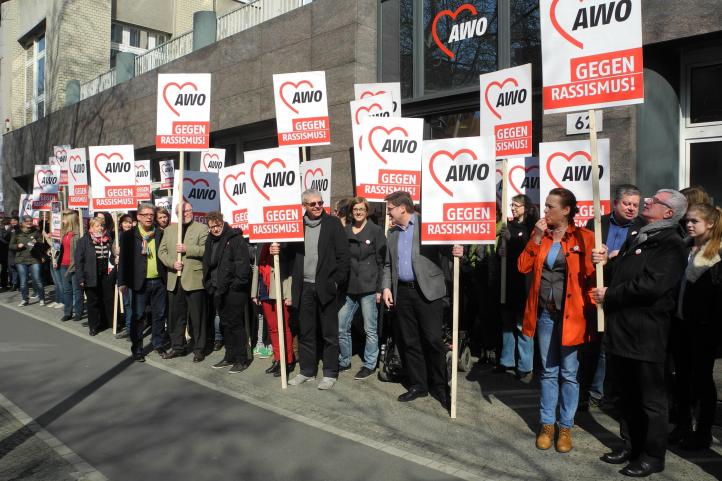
145, 215
214, 227
390, 208
654, 200
361, 209
516, 206
314, 204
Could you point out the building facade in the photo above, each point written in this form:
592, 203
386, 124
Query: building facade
673, 140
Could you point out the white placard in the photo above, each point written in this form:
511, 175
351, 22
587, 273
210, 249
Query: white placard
233, 181
274, 195
591, 54
200, 190
56, 220
390, 159
183, 111
522, 175
167, 173
362, 91
212, 160
142, 180
46, 183
60, 152
112, 175
506, 97
301, 108
458, 191
165, 202
376, 106
578, 122
25, 206
78, 195
569, 165
316, 174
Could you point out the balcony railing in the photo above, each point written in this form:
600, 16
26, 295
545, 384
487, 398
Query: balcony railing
245, 17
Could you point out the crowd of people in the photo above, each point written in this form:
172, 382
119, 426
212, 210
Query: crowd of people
653, 361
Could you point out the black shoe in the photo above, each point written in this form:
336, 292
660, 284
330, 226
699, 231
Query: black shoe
238, 368
65, 319
122, 334
222, 364
93, 332
84, 324
170, 354
344, 368
695, 442
363, 373
198, 357
76, 319
275, 367
525, 377
620, 456
642, 469
501, 369
411, 394
678, 433
217, 345
138, 358
289, 369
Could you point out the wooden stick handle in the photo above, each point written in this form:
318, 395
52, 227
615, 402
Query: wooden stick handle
179, 190
599, 271
279, 319
454, 337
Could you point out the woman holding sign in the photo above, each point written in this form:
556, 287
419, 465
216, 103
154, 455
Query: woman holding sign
72, 294
558, 256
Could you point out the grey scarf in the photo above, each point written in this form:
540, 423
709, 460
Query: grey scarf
653, 228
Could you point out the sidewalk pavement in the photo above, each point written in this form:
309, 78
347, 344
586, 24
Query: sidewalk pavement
492, 437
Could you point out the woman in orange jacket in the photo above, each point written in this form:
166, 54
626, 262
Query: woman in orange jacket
558, 306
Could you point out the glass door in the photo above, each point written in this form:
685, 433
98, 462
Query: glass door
705, 165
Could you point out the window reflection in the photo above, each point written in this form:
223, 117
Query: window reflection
526, 36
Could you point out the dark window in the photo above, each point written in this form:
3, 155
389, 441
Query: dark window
116, 33
406, 48
446, 126
460, 42
705, 94
526, 36
705, 167
134, 37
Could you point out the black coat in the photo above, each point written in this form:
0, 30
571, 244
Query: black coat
333, 262
517, 284
643, 284
234, 264
368, 252
702, 303
633, 230
133, 265
86, 268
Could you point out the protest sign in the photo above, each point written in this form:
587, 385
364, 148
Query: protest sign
56, 220
301, 109
2, 202
569, 165
233, 182
200, 190
316, 174
142, 180
78, 197
362, 91
61, 152
112, 175
376, 106
183, 111
390, 159
522, 174
25, 205
212, 160
164, 202
46, 183
274, 195
458, 191
505, 112
167, 172
591, 54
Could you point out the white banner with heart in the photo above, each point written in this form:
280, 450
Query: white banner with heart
362, 91
233, 182
200, 190
301, 109
78, 195
212, 160
377, 106
522, 174
60, 152
316, 174
112, 176
167, 173
183, 111
142, 180
46, 183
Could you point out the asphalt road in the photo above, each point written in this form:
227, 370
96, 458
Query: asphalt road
133, 421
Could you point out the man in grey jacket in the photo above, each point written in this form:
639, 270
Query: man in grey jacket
414, 286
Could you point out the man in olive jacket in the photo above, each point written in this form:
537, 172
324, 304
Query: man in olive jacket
642, 285
186, 296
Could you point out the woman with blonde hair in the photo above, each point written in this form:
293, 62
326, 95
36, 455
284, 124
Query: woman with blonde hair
72, 295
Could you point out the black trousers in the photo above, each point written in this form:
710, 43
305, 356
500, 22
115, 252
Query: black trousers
420, 325
232, 308
643, 405
100, 302
188, 308
312, 315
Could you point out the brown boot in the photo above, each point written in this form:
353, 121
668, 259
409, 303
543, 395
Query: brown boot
564, 441
546, 437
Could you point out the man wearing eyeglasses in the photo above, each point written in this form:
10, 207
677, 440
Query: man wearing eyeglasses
639, 300
141, 271
187, 300
319, 276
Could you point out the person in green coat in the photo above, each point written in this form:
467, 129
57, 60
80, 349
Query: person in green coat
23, 243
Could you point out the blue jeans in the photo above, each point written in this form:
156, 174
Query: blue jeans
154, 294
36, 272
217, 327
128, 308
596, 390
72, 295
345, 318
513, 340
559, 365
58, 283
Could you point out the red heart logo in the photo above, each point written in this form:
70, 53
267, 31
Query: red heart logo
367, 109
499, 177
193, 182
234, 177
555, 23
70, 161
180, 87
61, 153
369, 93
108, 157
453, 16
526, 171
208, 155
568, 159
294, 85
37, 176
139, 167
313, 172
452, 157
388, 132
501, 86
268, 166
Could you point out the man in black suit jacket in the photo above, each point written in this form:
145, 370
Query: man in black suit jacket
141, 271
319, 275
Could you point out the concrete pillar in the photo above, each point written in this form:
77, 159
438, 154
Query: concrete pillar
72, 92
124, 67
204, 29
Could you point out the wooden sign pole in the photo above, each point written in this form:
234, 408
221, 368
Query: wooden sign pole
181, 166
280, 320
454, 337
504, 187
597, 209
117, 297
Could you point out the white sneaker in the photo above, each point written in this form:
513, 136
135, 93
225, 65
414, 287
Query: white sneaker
34, 297
58, 305
23, 303
326, 383
300, 379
